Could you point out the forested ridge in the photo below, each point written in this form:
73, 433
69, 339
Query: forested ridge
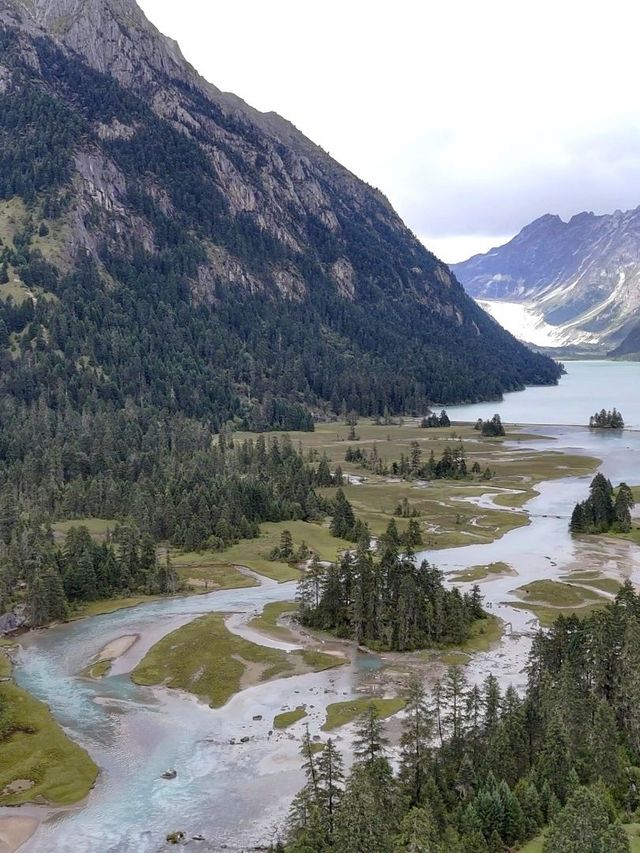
483, 771
143, 314
224, 352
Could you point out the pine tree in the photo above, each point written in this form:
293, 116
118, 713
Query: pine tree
330, 778
584, 826
362, 825
418, 833
417, 729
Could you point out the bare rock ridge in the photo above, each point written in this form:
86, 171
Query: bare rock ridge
117, 150
574, 283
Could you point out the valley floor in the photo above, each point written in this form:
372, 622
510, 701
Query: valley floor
453, 514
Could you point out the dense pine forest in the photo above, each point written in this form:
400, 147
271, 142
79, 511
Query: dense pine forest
604, 510
481, 771
387, 603
221, 352
171, 482
123, 351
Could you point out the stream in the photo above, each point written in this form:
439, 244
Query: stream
237, 794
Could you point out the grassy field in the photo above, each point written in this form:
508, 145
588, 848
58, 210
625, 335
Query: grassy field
608, 585
37, 760
556, 594
202, 571
98, 669
446, 509
206, 659
254, 553
485, 634
108, 605
547, 615
632, 536
288, 718
268, 619
97, 527
548, 599
446, 515
5, 666
341, 713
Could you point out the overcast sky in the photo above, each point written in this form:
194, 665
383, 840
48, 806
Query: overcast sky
473, 116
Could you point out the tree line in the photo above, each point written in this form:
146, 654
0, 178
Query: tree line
483, 771
182, 486
50, 579
605, 510
606, 420
451, 465
388, 602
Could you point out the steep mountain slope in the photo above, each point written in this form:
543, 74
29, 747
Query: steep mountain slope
630, 346
168, 246
563, 283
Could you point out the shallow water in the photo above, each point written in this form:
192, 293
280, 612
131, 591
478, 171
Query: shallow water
237, 794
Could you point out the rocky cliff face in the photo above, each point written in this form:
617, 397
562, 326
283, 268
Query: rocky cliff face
117, 151
565, 283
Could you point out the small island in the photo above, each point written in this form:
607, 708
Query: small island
388, 603
606, 510
606, 420
492, 428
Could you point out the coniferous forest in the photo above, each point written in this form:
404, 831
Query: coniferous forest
179, 271
604, 510
171, 484
606, 420
124, 350
482, 770
389, 602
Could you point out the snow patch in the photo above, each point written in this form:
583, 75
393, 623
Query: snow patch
526, 322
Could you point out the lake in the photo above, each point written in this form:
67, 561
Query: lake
588, 386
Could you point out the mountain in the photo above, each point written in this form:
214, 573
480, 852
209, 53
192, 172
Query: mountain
168, 246
630, 346
574, 283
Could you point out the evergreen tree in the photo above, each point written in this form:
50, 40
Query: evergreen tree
417, 730
584, 826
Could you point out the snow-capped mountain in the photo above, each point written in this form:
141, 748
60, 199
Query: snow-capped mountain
563, 284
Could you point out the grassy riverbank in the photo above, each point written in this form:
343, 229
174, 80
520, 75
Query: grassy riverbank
548, 599
254, 553
267, 621
38, 762
449, 510
477, 574
342, 713
206, 659
451, 513
288, 718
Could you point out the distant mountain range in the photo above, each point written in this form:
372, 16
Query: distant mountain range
572, 284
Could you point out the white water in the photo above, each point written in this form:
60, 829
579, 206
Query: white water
237, 794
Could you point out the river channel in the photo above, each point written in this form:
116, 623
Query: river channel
237, 794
